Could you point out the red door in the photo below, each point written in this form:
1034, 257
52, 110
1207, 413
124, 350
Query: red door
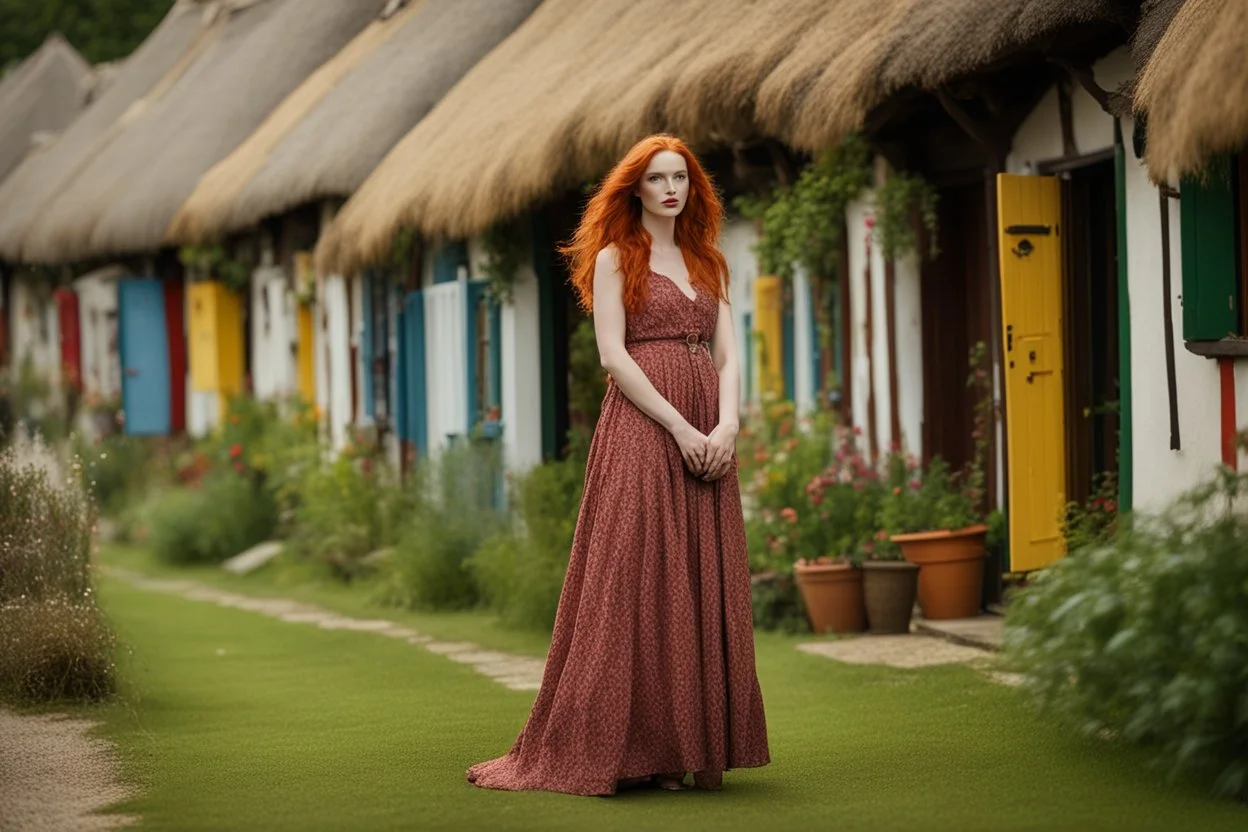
71, 338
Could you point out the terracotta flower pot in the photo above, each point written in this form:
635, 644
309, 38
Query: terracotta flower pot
888, 587
951, 569
832, 593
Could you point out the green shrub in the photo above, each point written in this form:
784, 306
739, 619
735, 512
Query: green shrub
1146, 639
54, 642
229, 513
55, 648
521, 570
342, 513
452, 511
117, 468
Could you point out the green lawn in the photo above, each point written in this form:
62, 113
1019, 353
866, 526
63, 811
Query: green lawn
232, 720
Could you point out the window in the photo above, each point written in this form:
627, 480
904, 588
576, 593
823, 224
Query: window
1214, 227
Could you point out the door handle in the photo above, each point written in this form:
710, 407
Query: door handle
1031, 376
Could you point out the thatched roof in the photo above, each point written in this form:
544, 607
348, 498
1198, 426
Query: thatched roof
1194, 89
42, 94
331, 132
253, 54
30, 187
577, 83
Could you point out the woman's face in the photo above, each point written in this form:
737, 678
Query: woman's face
664, 187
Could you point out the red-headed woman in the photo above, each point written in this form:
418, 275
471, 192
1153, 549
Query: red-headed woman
650, 673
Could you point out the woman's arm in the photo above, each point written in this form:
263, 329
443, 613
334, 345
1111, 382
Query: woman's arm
609, 323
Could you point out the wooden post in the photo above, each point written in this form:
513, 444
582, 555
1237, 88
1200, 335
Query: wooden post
890, 317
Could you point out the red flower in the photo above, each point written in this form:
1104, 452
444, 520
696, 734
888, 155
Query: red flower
857, 431
1111, 506
236, 450
870, 222
789, 514
239, 467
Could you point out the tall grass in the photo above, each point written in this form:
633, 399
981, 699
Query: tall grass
55, 643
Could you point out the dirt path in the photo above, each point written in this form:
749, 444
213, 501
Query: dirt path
54, 777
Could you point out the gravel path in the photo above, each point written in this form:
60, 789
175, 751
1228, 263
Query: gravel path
54, 777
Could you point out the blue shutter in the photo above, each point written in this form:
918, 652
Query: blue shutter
816, 377
790, 376
749, 357
144, 352
366, 343
447, 260
414, 418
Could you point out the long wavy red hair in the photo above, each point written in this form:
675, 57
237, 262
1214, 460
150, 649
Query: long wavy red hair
613, 215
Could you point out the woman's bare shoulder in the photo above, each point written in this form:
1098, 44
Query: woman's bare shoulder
608, 259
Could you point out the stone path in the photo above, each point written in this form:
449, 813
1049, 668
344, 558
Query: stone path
514, 672
54, 777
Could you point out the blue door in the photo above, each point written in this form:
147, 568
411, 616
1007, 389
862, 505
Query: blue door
144, 349
413, 419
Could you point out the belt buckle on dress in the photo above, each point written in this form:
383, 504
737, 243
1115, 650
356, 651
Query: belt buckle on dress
692, 340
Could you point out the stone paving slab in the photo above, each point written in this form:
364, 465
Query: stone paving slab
984, 631
514, 672
905, 651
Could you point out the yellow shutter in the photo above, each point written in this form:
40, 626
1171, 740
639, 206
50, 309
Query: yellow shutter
307, 369
769, 334
216, 341
1029, 215
202, 344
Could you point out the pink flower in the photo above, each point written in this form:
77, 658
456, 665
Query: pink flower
870, 221
1111, 506
915, 485
789, 514
857, 431
816, 499
239, 467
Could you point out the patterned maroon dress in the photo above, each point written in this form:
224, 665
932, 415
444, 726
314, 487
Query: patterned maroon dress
651, 665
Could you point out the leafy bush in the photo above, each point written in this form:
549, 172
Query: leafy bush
1095, 523
521, 570
453, 510
1146, 639
229, 513
54, 641
342, 513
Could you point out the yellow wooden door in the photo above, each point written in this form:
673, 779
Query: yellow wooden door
202, 339
769, 333
1029, 215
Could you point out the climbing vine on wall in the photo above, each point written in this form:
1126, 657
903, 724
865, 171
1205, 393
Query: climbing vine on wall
803, 224
208, 262
902, 199
506, 246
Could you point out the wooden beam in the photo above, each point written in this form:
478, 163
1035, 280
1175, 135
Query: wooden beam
1066, 116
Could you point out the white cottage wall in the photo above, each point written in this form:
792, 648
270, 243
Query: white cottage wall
522, 375
338, 358
97, 323
737, 241
1160, 474
445, 362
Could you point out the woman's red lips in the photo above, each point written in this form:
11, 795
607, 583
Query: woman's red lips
672, 201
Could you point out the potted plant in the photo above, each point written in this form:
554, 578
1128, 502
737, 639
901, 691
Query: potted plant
937, 518
842, 503
889, 585
937, 527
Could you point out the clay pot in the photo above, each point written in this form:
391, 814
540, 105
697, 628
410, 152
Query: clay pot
832, 593
888, 587
951, 570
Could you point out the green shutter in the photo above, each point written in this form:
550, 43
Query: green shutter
1210, 302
